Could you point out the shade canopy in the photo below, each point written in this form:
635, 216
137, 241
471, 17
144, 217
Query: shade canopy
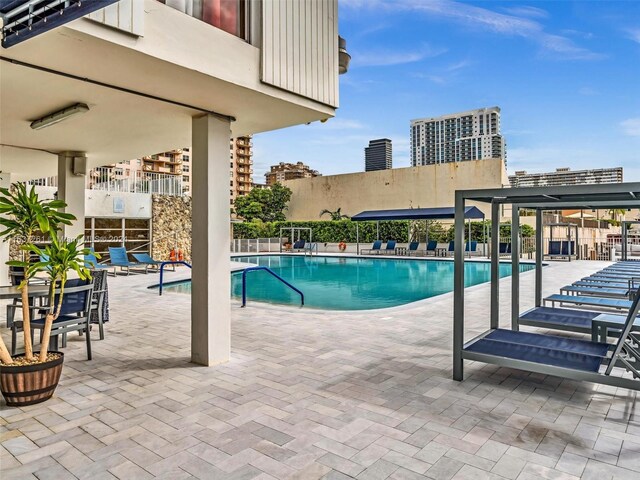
416, 214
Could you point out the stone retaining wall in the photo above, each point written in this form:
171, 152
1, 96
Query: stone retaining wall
170, 223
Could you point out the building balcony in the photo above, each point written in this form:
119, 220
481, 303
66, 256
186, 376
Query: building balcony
242, 143
244, 153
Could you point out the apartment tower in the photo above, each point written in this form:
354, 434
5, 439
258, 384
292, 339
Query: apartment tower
289, 171
241, 166
458, 137
378, 155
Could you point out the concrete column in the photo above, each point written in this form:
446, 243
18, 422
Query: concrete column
5, 182
211, 280
71, 189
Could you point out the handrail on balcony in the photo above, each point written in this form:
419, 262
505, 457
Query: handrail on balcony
253, 269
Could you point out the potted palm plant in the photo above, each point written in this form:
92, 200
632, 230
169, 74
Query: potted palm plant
27, 378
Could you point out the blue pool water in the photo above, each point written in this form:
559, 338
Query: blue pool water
339, 283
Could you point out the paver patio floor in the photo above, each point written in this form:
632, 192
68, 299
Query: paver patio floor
311, 394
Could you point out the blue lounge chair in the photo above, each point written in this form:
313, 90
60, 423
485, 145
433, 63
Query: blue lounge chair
471, 247
377, 245
145, 258
586, 301
610, 292
298, 245
452, 247
390, 247
504, 248
431, 247
413, 248
90, 261
555, 248
118, 258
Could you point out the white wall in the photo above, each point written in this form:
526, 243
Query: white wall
101, 204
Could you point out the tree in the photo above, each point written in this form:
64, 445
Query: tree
24, 215
337, 215
266, 204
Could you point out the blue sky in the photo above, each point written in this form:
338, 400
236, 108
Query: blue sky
566, 75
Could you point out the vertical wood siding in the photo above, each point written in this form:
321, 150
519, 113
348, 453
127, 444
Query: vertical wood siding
127, 15
300, 47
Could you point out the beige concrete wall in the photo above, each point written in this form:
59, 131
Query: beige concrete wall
417, 187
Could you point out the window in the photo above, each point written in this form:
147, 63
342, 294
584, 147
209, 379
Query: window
185, 178
185, 158
185, 168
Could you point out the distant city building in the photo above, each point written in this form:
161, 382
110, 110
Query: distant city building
178, 162
241, 166
458, 137
289, 171
566, 176
378, 155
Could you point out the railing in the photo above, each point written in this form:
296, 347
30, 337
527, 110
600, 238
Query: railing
162, 265
250, 245
253, 269
110, 179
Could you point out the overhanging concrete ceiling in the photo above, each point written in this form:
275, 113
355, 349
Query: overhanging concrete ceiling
122, 126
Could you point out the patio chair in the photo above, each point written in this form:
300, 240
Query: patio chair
390, 247
452, 247
471, 247
146, 259
90, 261
431, 247
298, 245
377, 245
99, 309
555, 248
413, 248
504, 248
16, 275
118, 258
586, 301
74, 315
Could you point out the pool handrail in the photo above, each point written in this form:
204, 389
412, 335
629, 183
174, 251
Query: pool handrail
253, 269
162, 265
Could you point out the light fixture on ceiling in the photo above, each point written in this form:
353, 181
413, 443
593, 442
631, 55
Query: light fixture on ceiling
59, 116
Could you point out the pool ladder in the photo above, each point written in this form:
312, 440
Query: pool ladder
164, 264
254, 269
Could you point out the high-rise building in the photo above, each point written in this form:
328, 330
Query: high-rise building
289, 171
566, 176
378, 155
178, 162
472, 135
241, 166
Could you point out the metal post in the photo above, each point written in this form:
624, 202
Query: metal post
357, 238
495, 265
458, 289
515, 267
569, 250
624, 241
377, 230
539, 248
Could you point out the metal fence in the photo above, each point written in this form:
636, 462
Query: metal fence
255, 245
112, 179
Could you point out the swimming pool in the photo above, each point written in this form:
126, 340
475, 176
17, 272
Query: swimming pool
344, 283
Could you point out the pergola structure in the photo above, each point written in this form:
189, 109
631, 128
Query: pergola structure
540, 199
439, 213
626, 224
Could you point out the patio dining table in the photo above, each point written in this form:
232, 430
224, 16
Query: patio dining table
11, 292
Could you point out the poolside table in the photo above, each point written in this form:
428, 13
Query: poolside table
11, 292
441, 251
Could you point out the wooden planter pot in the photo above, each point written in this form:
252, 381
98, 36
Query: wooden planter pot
24, 385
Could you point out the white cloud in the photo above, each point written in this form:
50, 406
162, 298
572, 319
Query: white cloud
519, 24
588, 92
526, 11
634, 34
631, 127
384, 58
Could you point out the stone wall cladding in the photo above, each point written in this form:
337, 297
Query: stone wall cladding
171, 222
